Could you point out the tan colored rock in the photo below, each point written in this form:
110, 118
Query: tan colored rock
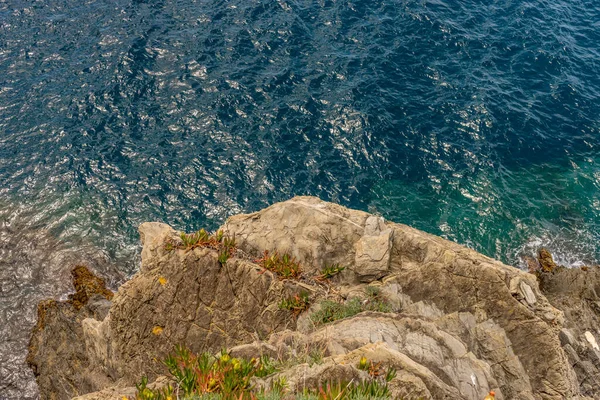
527, 293
466, 324
373, 251
435, 355
546, 261
317, 233
202, 303
112, 393
118, 393
153, 236
409, 387
432, 270
306, 377
576, 292
380, 353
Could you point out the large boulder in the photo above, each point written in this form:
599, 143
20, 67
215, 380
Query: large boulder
317, 233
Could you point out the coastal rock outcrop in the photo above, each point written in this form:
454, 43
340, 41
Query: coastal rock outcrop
576, 291
456, 324
57, 351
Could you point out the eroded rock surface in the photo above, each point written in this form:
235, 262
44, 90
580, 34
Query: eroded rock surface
57, 351
463, 324
576, 291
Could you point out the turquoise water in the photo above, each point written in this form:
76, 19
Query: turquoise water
477, 121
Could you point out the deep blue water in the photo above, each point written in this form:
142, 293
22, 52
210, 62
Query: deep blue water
478, 121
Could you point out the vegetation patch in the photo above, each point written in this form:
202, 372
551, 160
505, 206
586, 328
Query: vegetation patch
227, 377
218, 241
329, 271
208, 377
304, 353
332, 310
372, 390
296, 304
376, 370
284, 266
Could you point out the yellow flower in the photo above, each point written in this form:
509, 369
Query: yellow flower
362, 364
225, 357
162, 280
236, 364
212, 383
157, 330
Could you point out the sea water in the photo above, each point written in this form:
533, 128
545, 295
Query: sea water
474, 120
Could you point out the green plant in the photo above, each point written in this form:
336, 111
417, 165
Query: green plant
197, 238
373, 292
226, 248
376, 370
316, 355
218, 241
296, 304
369, 389
145, 393
332, 311
198, 375
265, 367
373, 390
390, 374
284, 266
329, 271
363, 364
222, 377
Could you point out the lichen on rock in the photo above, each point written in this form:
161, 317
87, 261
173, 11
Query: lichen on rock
87, 285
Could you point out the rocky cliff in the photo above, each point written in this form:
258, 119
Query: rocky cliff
455, 325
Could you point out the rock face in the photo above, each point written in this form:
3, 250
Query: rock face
463, 325
57, 342
576, 291
186, 297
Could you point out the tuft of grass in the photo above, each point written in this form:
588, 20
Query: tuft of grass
304, 353
297, 303
218, 241
329, 271
373, 292
373, 390
284, 266
332, 311
226, 248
